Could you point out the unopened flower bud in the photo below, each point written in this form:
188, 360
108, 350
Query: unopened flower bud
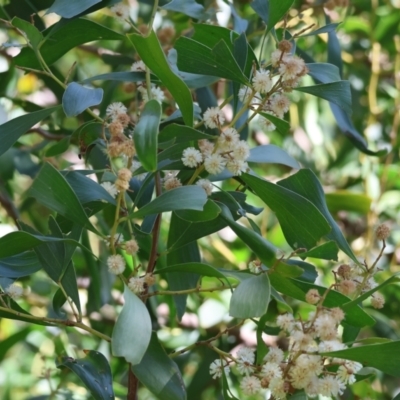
312, 296
382, 232
125, 174
344, 271
347, 287
285, 46
377, 300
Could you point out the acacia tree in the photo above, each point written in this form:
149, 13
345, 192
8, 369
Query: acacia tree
136, 167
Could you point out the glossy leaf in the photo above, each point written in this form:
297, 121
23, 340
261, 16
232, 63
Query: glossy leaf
337, 93
19, 265
271, 154
181, 133
94, 371
33, 35
281, 125
62, 37
151, 53
323, 72
69, 9
181, 198
326, 251
146, 135
12, 130
210, 212
187, 7
383, 356
261, 8
52, 190
132, 331
306, 184
302, 223
78, 98
159, 373
251, 298
276, 11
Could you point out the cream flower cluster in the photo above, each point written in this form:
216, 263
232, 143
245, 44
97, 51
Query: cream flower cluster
303, 366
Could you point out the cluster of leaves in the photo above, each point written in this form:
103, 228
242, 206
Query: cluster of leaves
59, 244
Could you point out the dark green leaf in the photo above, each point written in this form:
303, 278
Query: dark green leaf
181, 133
20, 265
59, 147
159, 373
11, 131
78, 98
281, 125
324, 29
302, 223
52, 190
276, 10
337, 93
210, 212
181, 198
272, 154
62, 37
151, 53
57, 303
94, 371
309, 274
146, 135
344, 200
187, 7
383, 356
124, 76
262, 348
69, 9
261, 8
33, 35
324, 72
132, 331
326, 251
251, 298
306, 184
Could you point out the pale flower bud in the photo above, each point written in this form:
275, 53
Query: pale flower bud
312, 296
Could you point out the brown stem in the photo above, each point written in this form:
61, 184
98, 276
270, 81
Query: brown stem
133, 385
9, 206
46, 134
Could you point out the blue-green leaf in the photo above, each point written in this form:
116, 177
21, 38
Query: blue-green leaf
187, 7
78, 98
69, 9
19, 265
272, 154
324, 72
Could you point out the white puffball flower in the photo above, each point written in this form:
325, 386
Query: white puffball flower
191, 157
291, 67
216, 368
228, 139
241, 150
115, 109
14, 291
156, 93
266, 124
245, 93
250, 385
237, 167
138, 66
285, 322
279, 104
116, 264
246, 354
330, 386
110, 188
136, 285
213, 117
206, 185
172, 183
271, 371
275, 355
325, 327
262, 81
214, 164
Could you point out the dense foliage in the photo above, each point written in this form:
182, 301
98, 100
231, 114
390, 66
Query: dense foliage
200, 200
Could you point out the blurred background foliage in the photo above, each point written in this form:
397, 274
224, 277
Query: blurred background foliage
362, 190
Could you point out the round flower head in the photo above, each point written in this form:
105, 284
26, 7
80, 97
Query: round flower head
206, 147
245, 94
172, 183
114, 109
213, 117
250, 385
325, 327
138, 66
191, 157
131, 247
291, 67
125, 174
266, 123
347, 287
216, 368
241, 150
275, 355
285, 322
262, 81
279, 104
228, 138
237, 167
116, 264
206, 185
246, 354
344, 271
156, 93
382, 232
330, 386
136, 285
214, 164
271, 371
110, 188
312, 296
377, 300
14, 291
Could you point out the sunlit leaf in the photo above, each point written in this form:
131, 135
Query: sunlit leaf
276, 11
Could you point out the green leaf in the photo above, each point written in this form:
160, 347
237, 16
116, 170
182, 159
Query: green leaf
323, 72
52, 190
58, 302
159, 373
69, 9
19, 265
251, 298
306, 184
344, 200
271, 154
181, 133
281, 125
12, 130
383, 356
261, 8
59, 147
62, 37
132, 331
145, 135
326, 251
264, 250
337, 93
33, 35
276, 10
302, 223
181, 198
94, 371
78, 98
324, 29
210, 212
262, 348
123, 76
197, 58
187, 7
151, 53
13, 339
